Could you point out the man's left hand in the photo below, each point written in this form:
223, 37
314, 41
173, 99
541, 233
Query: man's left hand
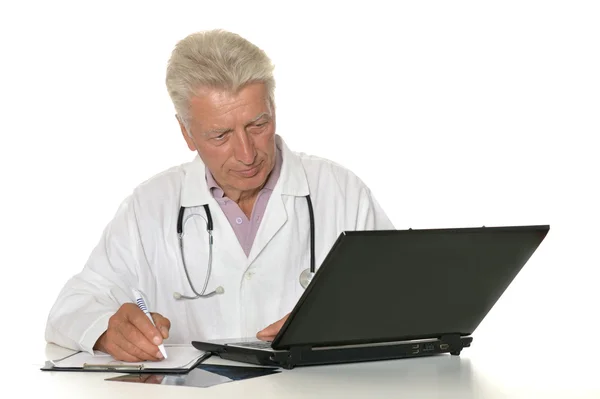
269, 333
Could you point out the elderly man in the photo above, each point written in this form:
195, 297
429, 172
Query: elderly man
217, 245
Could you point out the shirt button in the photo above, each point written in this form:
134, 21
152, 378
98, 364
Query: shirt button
238, 220
249, 275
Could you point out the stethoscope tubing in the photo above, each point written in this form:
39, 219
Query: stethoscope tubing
305, 277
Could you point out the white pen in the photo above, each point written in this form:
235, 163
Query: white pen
139, 300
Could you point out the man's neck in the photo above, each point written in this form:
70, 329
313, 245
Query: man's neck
244, 199
242, 196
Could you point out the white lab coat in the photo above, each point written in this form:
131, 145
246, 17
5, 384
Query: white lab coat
139, 249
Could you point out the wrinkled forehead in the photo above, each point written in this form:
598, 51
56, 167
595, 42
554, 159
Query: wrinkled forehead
218, 105
254, 93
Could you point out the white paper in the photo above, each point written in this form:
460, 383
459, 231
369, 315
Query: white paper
178, 357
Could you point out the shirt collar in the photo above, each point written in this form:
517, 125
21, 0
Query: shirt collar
291, 180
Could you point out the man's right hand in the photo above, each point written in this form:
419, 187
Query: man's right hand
131, 337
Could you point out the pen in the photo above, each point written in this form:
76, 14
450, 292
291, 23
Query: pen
139, 300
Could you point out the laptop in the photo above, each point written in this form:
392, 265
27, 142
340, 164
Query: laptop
392, 294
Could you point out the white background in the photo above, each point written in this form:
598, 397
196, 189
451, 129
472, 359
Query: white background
454, 113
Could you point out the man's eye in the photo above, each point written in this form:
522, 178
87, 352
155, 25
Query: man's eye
259, 125
220, 136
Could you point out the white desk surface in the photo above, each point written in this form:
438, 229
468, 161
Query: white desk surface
479, 372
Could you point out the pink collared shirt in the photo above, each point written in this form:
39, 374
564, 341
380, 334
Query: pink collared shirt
245, 229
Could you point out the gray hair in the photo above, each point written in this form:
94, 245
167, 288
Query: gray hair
215, 59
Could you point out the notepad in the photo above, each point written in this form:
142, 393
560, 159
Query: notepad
181, 359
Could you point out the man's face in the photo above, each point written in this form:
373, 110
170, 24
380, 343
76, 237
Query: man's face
235, 135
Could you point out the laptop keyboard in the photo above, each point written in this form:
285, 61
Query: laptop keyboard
253, 344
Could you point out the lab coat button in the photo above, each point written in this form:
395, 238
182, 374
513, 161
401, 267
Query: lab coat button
238, 220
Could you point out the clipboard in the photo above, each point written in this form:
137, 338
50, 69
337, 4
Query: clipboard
181, 359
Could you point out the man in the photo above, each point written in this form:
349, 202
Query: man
257, 194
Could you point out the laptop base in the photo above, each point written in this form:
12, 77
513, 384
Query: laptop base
306, 356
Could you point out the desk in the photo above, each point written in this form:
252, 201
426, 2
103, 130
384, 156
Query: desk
476, 373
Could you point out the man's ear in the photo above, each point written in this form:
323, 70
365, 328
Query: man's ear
186, 135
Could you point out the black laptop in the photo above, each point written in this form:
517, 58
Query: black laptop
394, 294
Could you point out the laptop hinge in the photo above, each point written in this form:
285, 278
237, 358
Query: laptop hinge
451, 339
295, 354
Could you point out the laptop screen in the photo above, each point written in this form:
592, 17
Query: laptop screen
378, 286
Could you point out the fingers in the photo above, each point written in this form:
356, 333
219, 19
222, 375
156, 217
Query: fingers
126, 351
112, 345
135, 343
271, 331
268, 334
162, 323
129, 341
131, 337
144, 325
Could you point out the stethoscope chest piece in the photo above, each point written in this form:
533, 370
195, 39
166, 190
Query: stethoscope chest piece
306, 277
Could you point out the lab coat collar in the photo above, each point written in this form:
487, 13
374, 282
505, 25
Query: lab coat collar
292, 180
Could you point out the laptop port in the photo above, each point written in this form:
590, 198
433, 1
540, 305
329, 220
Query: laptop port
428, 347
444, 346
415, 346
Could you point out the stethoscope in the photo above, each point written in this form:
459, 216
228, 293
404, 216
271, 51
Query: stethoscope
305, 277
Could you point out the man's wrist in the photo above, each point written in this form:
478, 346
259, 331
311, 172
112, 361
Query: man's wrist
99, 345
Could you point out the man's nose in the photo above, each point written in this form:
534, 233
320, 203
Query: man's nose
244, 150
